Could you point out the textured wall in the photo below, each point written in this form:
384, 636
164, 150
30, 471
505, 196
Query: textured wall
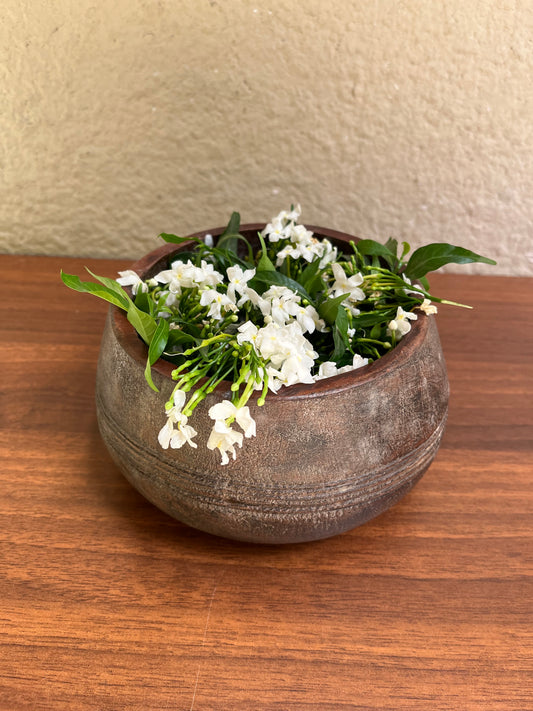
123, 119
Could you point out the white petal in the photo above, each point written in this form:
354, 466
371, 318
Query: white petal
222, 410
165, 434
179, 399
245, 420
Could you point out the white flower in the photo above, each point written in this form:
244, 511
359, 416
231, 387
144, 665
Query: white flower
297, 369
279, 310
238, 281
251, 295
328, 369
289, 355
400, 324
281, 225
274, 379
179, 276
176, 432
165, 433
358, 361
276, 302
291, 216
217, 302
183, 434
304, 244
306, 316
131, 278
280, 292
186, 275
170, 298
427, 307
276, 230
289, 251
328, 253
206, 275
222, 411
352, 308
272, 343
245, 421
247, 333
208, 240
178, 398
346, 285
300, 234
224, 439
288, 351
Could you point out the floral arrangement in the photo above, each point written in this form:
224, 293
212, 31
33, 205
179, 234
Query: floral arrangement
289, 309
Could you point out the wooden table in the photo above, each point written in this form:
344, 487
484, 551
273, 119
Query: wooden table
107, 603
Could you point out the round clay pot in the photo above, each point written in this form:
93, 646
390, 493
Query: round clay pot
327, 457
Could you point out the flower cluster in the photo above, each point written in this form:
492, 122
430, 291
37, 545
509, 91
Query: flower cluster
288, 308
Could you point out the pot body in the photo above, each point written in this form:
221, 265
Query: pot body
326, 458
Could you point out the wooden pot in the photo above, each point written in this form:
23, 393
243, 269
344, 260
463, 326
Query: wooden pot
327, 457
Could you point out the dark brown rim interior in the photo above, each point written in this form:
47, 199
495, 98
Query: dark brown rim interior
155, 261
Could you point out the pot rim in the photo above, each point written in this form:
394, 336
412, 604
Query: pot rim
137, 349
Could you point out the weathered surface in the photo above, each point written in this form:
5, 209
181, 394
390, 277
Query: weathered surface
327, 457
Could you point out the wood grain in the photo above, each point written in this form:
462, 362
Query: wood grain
106, 603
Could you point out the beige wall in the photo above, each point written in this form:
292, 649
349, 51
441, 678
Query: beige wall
124, 118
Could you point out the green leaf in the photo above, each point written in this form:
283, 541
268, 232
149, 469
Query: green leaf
142, 301
376, 331
424, 282
110, 291
309, 273
143, 323
155, 350
392, 245
117, 297
233, 225
370, 318
185, 329
226, 258
315, 285
265, 279
311, 278
405, 249
174, 239
340, 334
369, 247
264, 264
231, 234
433, 256
232, 249
110, 284
178, 337
329, 308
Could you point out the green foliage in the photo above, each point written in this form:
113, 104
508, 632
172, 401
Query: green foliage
369, 247
189, 330
340, 335
174, 239
263, 280
329, 308
434, 256
155, 351
264, 264
230, 237
115, 296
